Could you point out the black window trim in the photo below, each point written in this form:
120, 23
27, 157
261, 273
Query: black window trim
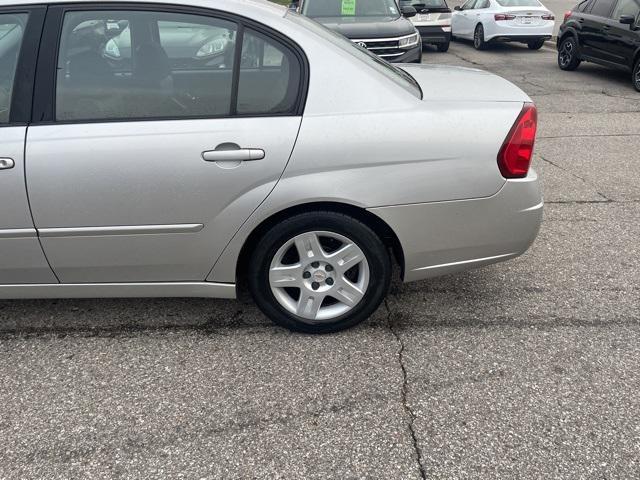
44, 95
22, 88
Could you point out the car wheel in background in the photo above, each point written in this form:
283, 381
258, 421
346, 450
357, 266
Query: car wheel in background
478, 38
535, 45
636, 75
568, 54
319, 272
443, 47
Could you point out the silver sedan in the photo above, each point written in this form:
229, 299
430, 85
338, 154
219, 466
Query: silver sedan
180, 150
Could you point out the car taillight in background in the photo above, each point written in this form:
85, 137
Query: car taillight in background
503, 16
515, 155
566, 15
549, 16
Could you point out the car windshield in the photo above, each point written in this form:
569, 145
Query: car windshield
400, 77
424, 3
519, 3
350, 8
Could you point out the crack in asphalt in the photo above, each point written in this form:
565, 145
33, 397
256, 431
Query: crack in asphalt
405, 405
584, 180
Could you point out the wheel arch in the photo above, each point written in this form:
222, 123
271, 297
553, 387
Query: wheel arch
379, 226
570, 31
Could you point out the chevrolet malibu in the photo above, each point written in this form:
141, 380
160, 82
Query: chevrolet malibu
275, 156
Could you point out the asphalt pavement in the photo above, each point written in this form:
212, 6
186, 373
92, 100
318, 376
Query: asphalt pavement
525, 369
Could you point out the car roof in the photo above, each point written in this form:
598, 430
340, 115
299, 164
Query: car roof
249, 8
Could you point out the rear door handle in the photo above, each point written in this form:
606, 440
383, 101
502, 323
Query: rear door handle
231, 152
6, 163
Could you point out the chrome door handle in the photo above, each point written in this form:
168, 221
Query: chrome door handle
231, 152
6, 163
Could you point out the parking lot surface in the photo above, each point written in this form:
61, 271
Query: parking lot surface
526, 369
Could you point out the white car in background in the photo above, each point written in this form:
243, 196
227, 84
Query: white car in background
485, 21
433, 21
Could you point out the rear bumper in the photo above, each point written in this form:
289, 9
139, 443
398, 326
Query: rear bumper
518, 33
446, 237
435, 34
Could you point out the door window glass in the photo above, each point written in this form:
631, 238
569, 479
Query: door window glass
602, 8
128, 64
11, 33
626, 7
269, 76
468, 5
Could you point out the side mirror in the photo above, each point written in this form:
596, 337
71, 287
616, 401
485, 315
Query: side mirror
457, 8
408, 11
627, 19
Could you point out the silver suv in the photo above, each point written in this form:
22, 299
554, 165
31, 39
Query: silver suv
178, 150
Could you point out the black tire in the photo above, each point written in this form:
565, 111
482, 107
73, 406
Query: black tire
478, 38
635, 78
443, 47
374, 250
535, 45
569, 54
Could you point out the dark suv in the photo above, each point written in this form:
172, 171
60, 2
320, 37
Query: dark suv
380, 26
602, 31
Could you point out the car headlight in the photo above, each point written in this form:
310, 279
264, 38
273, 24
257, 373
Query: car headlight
212, 48
410, 41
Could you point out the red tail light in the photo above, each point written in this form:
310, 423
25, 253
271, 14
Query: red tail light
548, 16
515, 155
503, 16
567, 15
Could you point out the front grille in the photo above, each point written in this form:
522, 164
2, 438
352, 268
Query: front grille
387, 47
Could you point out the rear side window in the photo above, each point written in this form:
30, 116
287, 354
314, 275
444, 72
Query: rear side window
11, 33
269, 75
602, 8
584, 6
119, 65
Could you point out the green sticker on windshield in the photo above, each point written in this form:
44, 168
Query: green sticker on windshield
348, 7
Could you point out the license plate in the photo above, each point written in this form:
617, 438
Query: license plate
527, 20
424, 17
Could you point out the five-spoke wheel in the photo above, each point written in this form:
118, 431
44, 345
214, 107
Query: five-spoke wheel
319, 272
568, 55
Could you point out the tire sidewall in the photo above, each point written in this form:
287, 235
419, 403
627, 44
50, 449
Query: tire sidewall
373, 248
573, 63
479, 31
634, 74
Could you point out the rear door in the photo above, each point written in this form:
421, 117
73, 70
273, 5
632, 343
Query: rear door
595, 28
164, 128
21, 258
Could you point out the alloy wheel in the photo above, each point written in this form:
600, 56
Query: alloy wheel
566, 53
319, 276
636, 78
477, 40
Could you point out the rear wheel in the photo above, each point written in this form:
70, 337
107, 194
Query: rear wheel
319, 272
636, 75
568, 54
478, 38
443, 47
535, 45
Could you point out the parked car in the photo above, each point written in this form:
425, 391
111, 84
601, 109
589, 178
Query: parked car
377, 25
488, 21
433, 21
602, 31
289, 171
